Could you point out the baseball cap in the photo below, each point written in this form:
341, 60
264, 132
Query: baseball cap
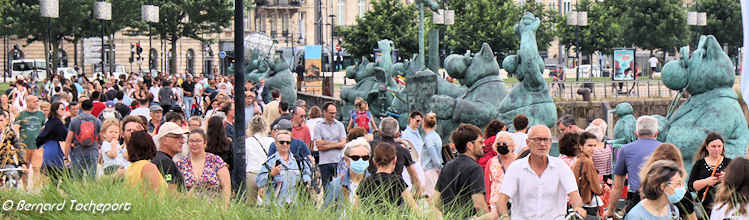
156, 108
283, 124
110, 103
170, 128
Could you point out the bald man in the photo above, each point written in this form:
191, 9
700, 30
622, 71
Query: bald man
538, 185
29, 124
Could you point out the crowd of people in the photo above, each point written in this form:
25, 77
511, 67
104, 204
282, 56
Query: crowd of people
175, 134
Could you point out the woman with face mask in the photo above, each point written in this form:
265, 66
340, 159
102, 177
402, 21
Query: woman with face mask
494, 172
357, 154
662, 186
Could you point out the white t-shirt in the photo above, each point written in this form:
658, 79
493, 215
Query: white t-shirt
519, 138
653, 62
721, 213
256, 148
535, 197
155, 92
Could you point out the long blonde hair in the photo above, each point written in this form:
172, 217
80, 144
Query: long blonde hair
734, 191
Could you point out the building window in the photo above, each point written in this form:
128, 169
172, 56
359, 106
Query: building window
273, 27
362, 7
190, 60
285, 24
301, 25
567, 6
341, 11
258, 23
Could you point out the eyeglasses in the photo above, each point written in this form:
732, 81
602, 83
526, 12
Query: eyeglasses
357, 157
540, 140
175, 137
284, 142
195, 141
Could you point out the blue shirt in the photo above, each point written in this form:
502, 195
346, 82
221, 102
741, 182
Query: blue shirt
432, 154
640, 213
415, 138
631, 158
282, 188
249, 112
298, 148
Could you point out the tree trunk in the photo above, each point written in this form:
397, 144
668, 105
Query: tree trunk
173, 58
55, 59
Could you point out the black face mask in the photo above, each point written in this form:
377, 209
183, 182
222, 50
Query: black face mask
502, 148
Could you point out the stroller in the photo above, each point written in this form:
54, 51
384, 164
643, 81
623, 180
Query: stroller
10, 176
11, 163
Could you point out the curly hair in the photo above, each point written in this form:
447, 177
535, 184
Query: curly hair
140, 147
568, 144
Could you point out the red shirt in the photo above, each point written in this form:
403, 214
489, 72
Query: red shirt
302, 133
98, 108
488, 152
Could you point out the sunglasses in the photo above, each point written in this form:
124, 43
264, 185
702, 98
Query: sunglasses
357, 157
284, 142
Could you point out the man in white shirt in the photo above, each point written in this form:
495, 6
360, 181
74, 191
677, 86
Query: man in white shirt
653, 64
538, 185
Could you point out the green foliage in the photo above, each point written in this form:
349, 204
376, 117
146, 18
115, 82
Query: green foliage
187, 18
388, 19
723, 22
493, 21
149, 205
653, 24
604, 30
76, 21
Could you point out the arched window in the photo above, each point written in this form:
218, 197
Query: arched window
190, 60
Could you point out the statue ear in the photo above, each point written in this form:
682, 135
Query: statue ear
510, 63
674, 75
486, 51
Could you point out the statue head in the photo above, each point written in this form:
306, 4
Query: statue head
706, 69
456, 65
529, 22
385, 45
357, 71
623, 109
279, 64
483, 64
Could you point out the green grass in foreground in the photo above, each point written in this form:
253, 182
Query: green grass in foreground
148, 205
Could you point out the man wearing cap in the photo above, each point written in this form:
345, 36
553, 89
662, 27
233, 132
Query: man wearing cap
171, 138
156, 118
110, 112
298, 148
82, 142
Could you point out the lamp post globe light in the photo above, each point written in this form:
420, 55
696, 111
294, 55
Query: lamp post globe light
577, 19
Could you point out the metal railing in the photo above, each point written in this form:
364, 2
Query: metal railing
568, 90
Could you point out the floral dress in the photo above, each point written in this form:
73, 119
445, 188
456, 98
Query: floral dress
208, 183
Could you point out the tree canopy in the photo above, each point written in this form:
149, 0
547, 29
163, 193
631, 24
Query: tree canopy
388, 19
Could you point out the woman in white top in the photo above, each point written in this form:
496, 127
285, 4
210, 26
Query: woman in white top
256, 145
732, 200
